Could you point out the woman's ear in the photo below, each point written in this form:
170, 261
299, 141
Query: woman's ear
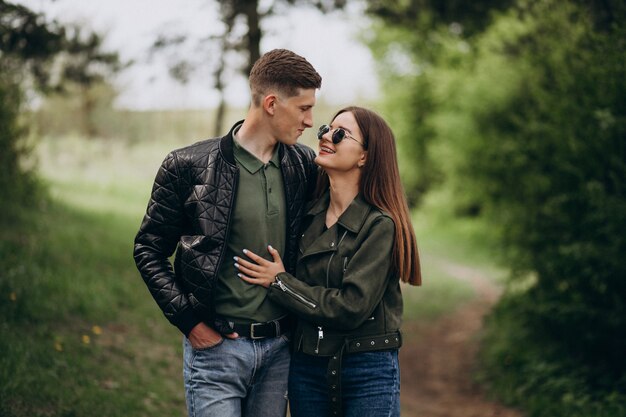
362, 160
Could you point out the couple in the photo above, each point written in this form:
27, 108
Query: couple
274, 256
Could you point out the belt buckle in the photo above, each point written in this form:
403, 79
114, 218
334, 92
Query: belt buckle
252, 326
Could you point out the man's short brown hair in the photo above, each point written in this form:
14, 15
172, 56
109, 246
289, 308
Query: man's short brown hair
284, 71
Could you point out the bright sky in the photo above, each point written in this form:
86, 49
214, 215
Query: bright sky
328, 42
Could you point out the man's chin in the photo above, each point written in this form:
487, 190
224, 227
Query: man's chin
292, 141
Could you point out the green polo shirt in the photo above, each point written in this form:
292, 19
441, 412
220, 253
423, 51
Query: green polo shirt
258, 219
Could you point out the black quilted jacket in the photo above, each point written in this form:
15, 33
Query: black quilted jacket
189, 212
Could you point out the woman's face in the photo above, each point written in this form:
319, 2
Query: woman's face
347, 155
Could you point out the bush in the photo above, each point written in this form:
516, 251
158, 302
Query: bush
548, 161
539, 375
527, 123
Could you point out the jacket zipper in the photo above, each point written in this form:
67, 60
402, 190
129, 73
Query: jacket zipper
320, 330
320, 336
294, 294
223, 251
331, 259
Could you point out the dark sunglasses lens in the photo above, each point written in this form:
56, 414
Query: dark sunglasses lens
338, 135
323, 130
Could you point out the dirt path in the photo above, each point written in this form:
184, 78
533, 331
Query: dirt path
438, 359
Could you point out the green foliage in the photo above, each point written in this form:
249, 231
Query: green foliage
549, 165
17, 181
418, 170
27, 42
543, 378
527, 121
33, 53
408, 106
24, 42
472, 17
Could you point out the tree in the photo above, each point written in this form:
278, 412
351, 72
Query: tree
411, 44
550, 165
43, 56
238, 42
527, 117
26, 41
85, 65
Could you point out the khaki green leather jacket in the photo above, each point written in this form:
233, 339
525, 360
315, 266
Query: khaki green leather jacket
344, 294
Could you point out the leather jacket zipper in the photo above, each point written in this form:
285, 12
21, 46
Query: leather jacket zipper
223, 251
294, 294
320, 336
331, 259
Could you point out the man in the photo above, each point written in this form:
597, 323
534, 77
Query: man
210, 201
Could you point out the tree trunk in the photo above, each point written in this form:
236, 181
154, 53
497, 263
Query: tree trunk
251, 11
219, 86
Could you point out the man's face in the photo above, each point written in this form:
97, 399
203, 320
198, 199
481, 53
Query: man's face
292, 115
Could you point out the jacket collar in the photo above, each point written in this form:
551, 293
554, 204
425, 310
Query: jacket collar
352, 219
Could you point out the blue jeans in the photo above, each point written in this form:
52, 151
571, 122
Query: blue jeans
370, 385
240, 377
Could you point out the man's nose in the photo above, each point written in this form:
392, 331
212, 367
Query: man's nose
308, 118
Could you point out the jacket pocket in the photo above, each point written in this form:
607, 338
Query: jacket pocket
196, 242
197, 256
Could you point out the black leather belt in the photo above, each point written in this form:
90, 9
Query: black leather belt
272, 328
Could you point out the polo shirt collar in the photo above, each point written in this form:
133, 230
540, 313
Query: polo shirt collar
250, 162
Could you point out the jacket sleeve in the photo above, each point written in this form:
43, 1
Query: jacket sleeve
363, 286
157, 240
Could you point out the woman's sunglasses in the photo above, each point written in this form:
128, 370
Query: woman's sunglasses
338, 135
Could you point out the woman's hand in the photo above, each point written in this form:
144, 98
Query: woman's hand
260, 271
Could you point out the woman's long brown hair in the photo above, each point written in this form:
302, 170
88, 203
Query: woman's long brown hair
380, 186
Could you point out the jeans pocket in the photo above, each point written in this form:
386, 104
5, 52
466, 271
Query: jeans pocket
207, 348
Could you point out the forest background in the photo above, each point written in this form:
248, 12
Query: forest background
510, 118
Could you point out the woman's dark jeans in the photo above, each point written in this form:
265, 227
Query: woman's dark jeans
370, 385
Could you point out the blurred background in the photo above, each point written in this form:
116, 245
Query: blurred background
510, 120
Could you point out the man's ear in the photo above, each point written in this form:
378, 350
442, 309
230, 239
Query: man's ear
269, 103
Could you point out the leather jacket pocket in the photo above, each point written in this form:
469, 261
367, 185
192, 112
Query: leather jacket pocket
194, 242
197, 255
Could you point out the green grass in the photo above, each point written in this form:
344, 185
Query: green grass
81, 335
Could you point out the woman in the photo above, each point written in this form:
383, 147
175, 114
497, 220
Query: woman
358, 243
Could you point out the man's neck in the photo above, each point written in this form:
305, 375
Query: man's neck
252, 137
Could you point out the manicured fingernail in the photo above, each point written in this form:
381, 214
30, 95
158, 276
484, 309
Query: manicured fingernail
235, 258
270, 246
245, 251
236, 265
239, 275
